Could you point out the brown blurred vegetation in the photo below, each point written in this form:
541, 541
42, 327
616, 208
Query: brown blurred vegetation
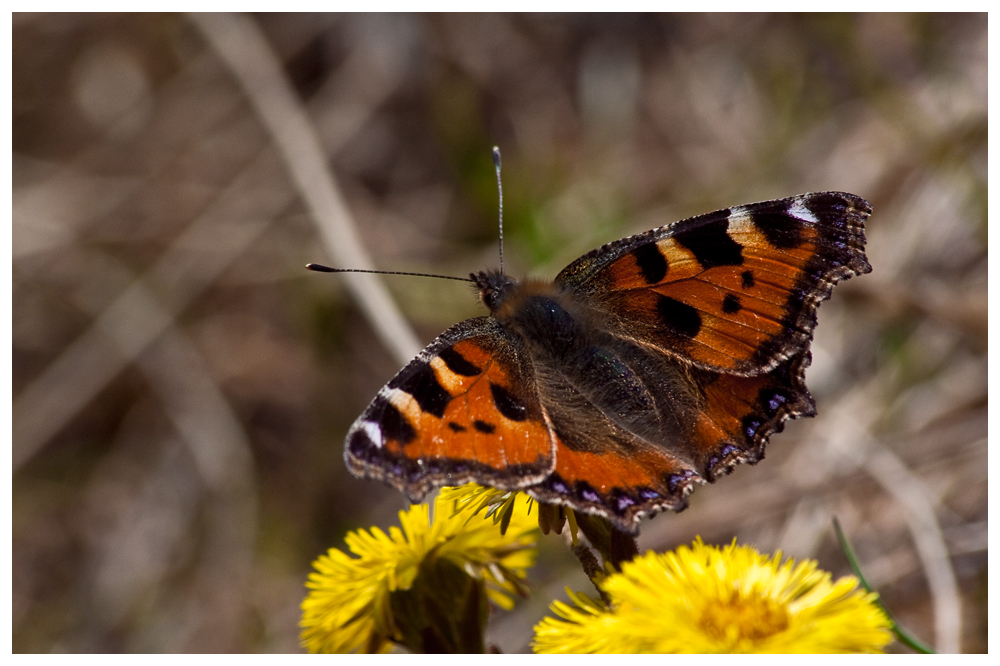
182, 386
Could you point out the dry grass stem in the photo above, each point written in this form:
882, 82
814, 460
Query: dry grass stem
242, 46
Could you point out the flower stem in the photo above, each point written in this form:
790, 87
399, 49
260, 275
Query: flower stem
902, 635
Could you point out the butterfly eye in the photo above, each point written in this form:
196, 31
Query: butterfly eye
492, 287
488, 296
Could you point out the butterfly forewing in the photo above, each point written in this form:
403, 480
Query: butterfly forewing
465, 409
732, 291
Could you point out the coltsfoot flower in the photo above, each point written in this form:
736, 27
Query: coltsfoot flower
706, 599
350, 606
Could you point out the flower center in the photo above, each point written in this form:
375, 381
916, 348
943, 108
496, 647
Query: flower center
749, 619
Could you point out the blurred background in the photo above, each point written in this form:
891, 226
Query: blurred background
182, 386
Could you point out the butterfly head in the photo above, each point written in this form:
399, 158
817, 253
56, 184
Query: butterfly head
493, 286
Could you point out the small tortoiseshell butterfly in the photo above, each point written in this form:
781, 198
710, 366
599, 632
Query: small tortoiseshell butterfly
653, 363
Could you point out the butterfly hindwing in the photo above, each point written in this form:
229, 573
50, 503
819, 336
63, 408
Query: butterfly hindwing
465, 409
609, 460
739, 414
702, 424
732, 291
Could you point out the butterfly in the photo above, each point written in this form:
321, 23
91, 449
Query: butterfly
649, 365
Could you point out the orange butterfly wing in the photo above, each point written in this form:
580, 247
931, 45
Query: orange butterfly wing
733, 291
464, 410
616, 487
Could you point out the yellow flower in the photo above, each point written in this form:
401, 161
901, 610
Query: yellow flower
501, 505
350, 607
705, 599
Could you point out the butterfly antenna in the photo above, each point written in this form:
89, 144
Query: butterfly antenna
320, 268
496, 162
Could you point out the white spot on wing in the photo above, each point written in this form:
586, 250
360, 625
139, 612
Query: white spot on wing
797, 209
739, 219
373, 431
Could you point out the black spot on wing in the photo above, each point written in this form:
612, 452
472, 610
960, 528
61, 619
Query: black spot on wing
456, 427
748, 281
394, 425
458, 363
731, 304
483, 426
508, 404
681, 318
425, 389
651, 263
779, 227
711, 244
